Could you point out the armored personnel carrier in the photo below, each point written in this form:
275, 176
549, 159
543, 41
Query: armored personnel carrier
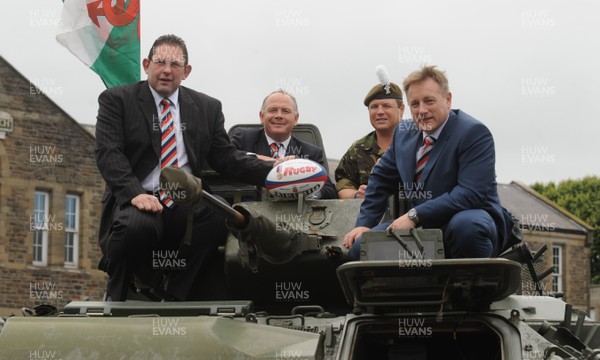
285, 289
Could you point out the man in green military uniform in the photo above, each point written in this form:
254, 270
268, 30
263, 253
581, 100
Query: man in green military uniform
384, 102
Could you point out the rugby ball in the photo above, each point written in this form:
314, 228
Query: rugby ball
294, 177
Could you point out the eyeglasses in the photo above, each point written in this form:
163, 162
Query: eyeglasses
174, 64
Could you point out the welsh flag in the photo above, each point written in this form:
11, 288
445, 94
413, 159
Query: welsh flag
104, 35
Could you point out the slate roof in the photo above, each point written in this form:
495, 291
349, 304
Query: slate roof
536, 212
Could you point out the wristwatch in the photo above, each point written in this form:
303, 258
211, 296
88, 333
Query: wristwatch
412, 214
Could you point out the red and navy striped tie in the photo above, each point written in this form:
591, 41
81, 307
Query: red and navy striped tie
424, 157
275, 149
168, 150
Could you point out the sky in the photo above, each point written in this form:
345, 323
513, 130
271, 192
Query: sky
526, 69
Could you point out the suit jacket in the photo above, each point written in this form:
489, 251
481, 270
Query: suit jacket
128, 140
254, 140
459, 175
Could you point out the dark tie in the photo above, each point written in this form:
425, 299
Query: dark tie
275, 150
168, 150
425, 152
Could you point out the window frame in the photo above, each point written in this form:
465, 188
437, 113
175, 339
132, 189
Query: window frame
43, 230
557, 263
74, 262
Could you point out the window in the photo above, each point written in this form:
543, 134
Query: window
557, 280
71, 230
39, 225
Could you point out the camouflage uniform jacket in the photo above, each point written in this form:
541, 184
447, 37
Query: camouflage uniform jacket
356, 164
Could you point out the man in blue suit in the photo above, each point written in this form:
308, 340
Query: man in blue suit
443, 161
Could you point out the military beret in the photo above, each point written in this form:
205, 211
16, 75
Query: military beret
380, 91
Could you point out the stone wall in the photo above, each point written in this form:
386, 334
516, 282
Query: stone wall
576, 265
46, 151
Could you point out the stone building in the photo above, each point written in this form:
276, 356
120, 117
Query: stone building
50, 193
567, 237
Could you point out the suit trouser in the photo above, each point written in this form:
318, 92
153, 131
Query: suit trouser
468, 234
145, 242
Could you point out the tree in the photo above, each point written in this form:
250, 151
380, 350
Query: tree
581, 198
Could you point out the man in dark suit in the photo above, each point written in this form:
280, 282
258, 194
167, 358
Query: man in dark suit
142, 128
444, 162
279, 115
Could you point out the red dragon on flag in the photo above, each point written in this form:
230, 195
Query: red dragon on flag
104, 36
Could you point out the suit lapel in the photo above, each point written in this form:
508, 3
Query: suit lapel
408, 140
439, 145
148, 108
189, 115
262, 145
293, 148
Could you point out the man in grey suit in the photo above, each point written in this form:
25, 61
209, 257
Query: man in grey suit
279, 115
140, 129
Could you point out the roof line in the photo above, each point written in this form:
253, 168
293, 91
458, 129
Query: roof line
54, 104
534, 228
549, 202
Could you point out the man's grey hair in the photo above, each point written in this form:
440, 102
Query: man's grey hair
280, 91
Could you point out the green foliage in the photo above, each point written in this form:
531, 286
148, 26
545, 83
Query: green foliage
582, 198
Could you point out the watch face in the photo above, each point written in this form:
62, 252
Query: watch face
412, 214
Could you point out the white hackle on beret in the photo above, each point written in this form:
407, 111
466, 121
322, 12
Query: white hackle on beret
384, 77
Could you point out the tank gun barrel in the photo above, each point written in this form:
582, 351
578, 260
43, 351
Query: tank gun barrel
234, 217
264, 238
258, 235
189, 191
